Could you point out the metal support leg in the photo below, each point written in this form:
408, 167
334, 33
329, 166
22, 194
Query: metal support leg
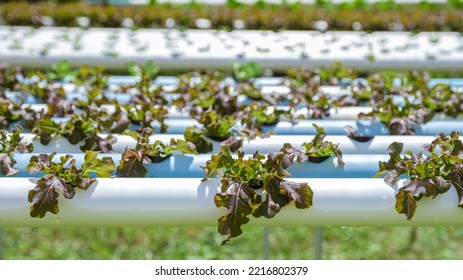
318, 243
1, 243
266, 245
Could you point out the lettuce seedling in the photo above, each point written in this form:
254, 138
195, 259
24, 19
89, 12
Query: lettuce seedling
241, 179
400, 120
429, 175
145, 152
320, 148
10, 143
216, 127
65, 177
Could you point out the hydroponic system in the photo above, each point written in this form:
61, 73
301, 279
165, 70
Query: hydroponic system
264, 128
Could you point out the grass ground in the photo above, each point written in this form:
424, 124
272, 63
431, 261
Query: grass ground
204, 243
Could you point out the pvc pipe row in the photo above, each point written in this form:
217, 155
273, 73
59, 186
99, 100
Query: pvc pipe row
79, 93
305, 127
377, 145
333, 127
190, 202
189, 166
342, 113
253, 2
211, 49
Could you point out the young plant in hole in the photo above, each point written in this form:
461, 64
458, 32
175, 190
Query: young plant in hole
45, 129
84, 127
254, 186
429, 175
196, 82
93, 77
145, 152
316, 101
216, 127
319, 105
9, 78
61, 71
314, 78
146, 74
81, 128
218, 98
400, 120
257, 115
10, 143
93, 96
63, 176
146, 113
113, 122
255, 93
317, 150
441, 98
246, 71
51, 93
9, 111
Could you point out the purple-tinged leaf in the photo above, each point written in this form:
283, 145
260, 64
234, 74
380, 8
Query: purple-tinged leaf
280, 193
96, 143
84, 183
40, 163
405, 204
121, 124
273, 199
233, 143
240, 201
458, 185
290, 150
131, 165
300, 193
44, 197
6, 163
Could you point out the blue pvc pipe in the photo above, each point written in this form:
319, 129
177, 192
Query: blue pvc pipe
304, 127
452, 82
166, 81
272, 81
332, 127
189, 166
267, 81
123, 80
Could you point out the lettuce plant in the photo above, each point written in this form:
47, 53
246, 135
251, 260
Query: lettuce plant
253, 186
11, 143
146, 74
319, 148
145, 152
246, 71
9, 111
400, 120
214, 126
429, 175
441, 98
256, 115
63, 176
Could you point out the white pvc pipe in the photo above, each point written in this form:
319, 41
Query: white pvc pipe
188, 202
189, 166
343, 113
174, 49
305, 127
378, 145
